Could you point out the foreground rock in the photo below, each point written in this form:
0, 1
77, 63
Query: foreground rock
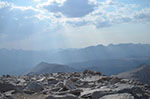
118, 96
33, 87
84, 85
62, 97
6, 87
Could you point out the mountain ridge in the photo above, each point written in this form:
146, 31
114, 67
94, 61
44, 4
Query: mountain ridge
44, 67
140, 73
21, 61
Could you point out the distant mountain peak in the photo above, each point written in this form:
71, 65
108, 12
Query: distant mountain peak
44, 67
143, 66
141, 73
42, 63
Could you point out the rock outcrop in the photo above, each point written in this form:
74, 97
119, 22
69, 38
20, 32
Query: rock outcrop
141, 73
77, 85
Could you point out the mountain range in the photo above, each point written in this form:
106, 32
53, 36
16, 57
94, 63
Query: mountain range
109, 66
127, 56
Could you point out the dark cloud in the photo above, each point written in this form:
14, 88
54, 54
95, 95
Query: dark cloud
71, 8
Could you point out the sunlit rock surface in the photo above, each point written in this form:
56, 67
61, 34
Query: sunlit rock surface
77, 85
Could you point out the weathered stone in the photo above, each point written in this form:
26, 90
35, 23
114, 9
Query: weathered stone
87, 85
61, 97
136, 92
98, 94
114, 80
9, 93
33, 86
75, 74
105, 78
95, 93
76, 92
41, 79
29, 92
89, 72
69, 85
6, 87
7, 97
74, 79
117, 96
52, 81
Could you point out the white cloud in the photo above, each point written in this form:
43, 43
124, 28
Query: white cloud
36, 0
81, 12
142, 15
85, 12
4, 4
19, 22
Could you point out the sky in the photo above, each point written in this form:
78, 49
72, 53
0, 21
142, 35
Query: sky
52, 24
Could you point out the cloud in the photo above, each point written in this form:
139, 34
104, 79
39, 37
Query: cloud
73, 12
36, 0
18, 22
142, 15
40, 21
93, 12
103, 24
71, 8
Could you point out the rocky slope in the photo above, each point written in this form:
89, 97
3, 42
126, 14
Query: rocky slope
44, 67
141, 73
83, 85
110, 66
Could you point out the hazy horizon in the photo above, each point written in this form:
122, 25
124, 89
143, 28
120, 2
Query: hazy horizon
106, 45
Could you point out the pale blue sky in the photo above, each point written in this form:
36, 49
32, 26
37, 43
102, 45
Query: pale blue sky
48, 24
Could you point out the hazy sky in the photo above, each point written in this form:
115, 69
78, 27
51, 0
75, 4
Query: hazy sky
48, 24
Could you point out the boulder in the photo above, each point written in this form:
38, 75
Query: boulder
94, 94
114, 80
137, 92
69, 85
76, 92
34, 86
89, 72
117, 96
52, 81
61, 97
98, 94
6, 87
9, 93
